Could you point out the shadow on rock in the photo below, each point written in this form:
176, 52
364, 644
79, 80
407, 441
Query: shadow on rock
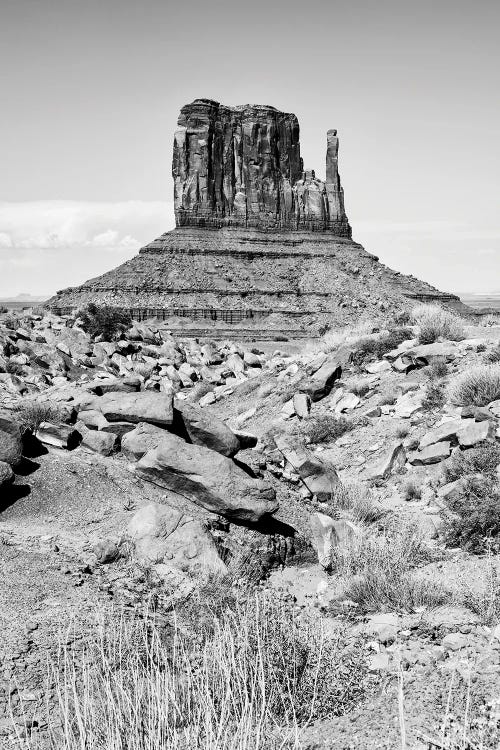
12, 494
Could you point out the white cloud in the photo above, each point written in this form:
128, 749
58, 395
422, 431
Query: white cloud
46, 245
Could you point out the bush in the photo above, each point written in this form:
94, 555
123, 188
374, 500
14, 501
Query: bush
3, 309
325, 428
493, 356
478, 386
475, 524
376, 570
435, 323
434, 396
13, 368
360, 387
376, 347
30, 413
388, 397
105, 321
356, 502
411, 490
248, 682
438, 369
482, 460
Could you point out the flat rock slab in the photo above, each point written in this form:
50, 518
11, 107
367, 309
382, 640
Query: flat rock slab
320, 477
446, 431
208, 479
475, 432
321, 383
146, 406
432, 454
393, 460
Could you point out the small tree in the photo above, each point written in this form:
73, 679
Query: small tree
104, 320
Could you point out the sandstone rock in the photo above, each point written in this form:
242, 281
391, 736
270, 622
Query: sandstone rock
246, 439
128, 384
474, 433
201, 429
59, 435
377, 367
104, 443
118, 428
146, 406
301, 405
6, 474
430, 352
392, 461
321, 383
143, 438
408, 404
11, 446
347, 402
327, 534
93, 419
494, 408
432, 454
446, 431
449, 618
106, 551
320, 477
241, 166
163, 534
208, 479
207, 399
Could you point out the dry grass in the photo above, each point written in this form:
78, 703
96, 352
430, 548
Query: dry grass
478, 386
30, 413
325, 428
248, 683
434, 324
356, 502
376, 570
360, 387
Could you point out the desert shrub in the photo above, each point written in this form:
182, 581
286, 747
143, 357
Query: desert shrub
493, 356
475, 523
376, 570
279, 337
491, 319
360, 387
402, 432
103, 320
355, 501
402, 318
325, 428
435, 323
411, 490
434, 396
481, 460
375, 347
388, 397
3, 309
30, 413
247, 683
478, 386
438, 369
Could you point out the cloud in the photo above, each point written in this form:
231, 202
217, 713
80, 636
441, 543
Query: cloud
47, 225
47, 245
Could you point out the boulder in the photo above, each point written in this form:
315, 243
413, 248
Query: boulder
321, 383
11, 444
162, 534
143, 438
393, 460
432, 454
384, 627
6, 474
301, 404
326, 534
60, 435
320, 477
192, 423
208, 479
475, 432
446, 431
104, 443
154, 407
128, 384
377, 367
93, 419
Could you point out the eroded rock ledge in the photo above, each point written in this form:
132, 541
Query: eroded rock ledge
241, 166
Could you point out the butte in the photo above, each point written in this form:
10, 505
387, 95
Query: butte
261, 245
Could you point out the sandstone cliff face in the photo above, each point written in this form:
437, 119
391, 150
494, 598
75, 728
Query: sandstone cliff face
241, 166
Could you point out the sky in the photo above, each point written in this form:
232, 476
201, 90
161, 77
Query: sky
90, 94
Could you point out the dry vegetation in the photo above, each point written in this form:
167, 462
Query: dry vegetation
478, 386
435, 323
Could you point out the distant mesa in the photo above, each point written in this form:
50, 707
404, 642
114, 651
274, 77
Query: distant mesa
260, 243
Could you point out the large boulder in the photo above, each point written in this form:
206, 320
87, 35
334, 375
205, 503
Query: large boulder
128, 384
162, 534
321, 383
141, 439
327, 534
391, 462
59, 435
319, 477
154, 407
6, 474
200, 428
208, 479
11, 444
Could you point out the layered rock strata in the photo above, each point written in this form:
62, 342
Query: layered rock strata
241, 166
